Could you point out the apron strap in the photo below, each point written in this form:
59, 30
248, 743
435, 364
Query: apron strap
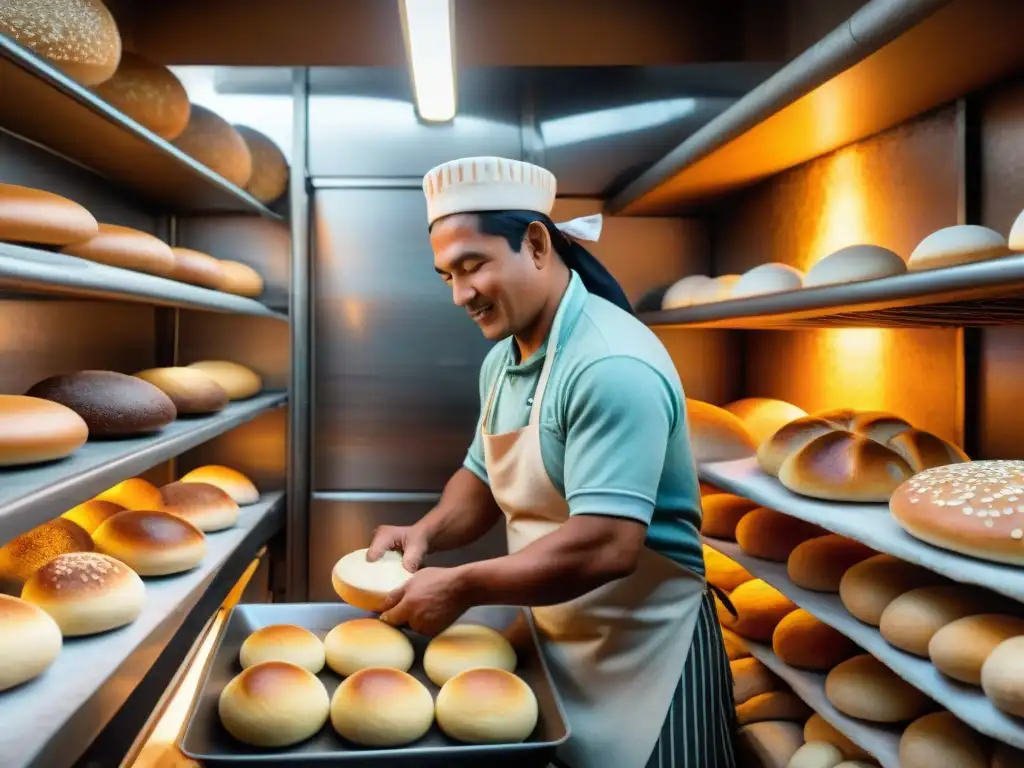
722, 595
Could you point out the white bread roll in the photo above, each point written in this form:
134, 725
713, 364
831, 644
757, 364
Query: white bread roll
769, 745
940, 740
381, 707
818, 728
751, 678
466, 646
722, 512
771, 535
149, 94
804, 641
911, 620
681, 293
273, 704
283, 642
29, 644
231, 481
90, 514
86, 593
923, 450
868, 587
816, 754
487, 706
717, 435
269, 179
196, 268
763, 416
819, 564
772, 277
34, 430
960, 648
854, 264
787, 440
841, 466
959, 244
135, 494
1002, 676
42, 218
206, 506
1016, 238
365, 585
79, 37
211, 140
126, 248
735, 648
25, 554
717, 289
151, 543
864, 688
975, 508
723, 572
363, 643
238, 381
760, 607
240, 279
191, 391
775, 705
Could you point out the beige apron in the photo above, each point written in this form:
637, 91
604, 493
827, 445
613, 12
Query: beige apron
617, 653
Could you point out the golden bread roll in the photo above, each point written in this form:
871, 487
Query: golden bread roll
196, 268
42, 218
940, 740
86, 593
775, 705
868, 587
89, 514
723, 572
126, 248
760, 607
231, 481
135, 494
923, 450
465, 646
366, 585
151, 543
975, 508
771, 535
269, 178
911, 620
29, 644
721, 514
363, 643
112, 404
763, 416
25, 554
717, 435
959, 244
34, 430
816, 754
864, 688
240, 279
1006, 756
211, 140
382, 707
768, 745
818, 564
854, 264
773, 277
841, 466
283, 642
735, 648
238, 381
487, 706
878, 425
79, 37
960, 648
206, 506
788, 440
806, 642
191, 391
1002, 676
818, 728
149, 94
751, 678
273, 704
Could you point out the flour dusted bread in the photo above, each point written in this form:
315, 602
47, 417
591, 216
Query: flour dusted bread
764, 416
25, 554
787, 440
804, 641
269, 178
237, 380
283, 642
818, 564
240, 279
771, 535
235, 484
841, 466
134, 493
381, 707
151, 543
717, 435
211, 140
197, 268
363, 643
33, 430
770, 744
959, 244
751, 678
819, 729
487, 706
864, 688
42, 218
681, 293
365, 585
90, 514
959, 649
126, 248
149, 94
868, 587
722, 571
29, 644
1002, 676
206, 506
722, 512
854, 264
465, 646
273, 704
760, 607
191, 391
923, 450
772, 277
941, 740
911, 620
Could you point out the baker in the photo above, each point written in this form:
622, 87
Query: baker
582, 445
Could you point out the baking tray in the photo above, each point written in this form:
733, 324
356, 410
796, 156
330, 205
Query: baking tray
207, 742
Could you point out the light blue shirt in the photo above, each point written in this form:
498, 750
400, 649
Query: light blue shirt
614, 436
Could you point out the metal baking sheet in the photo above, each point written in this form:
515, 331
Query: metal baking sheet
208, 742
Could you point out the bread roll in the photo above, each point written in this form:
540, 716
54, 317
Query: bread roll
79, 37
760, 607
723, 572
910, 621
240, 279
149, 94
816, 754
273, 704
878, 425
841, 466
854, 264
89, 514
769, 745
33, 430
940, 740
112, 404
717, 289
197, 268
269, 179
206, 506
135, 494
125, 248
789, 439
735, 648
151, 543
763, 416
381, 707
283, 642
1002, 676
975, 508
25, 554
42, 218
959, 244
238, 381
365, 585
868, 588
1006, 756
212, 141
776, 705
681, 293
29, 644
818, 728
231, 481
722, 512
191, 391
1016, 236
806, 642
86, 593
487, 706
717, 435
772, 277
771, 535
751, 678
960, 648
819, 563
923, 450
363, 643
466, 646
864, 688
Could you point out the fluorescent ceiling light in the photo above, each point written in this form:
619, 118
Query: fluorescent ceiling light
428, 31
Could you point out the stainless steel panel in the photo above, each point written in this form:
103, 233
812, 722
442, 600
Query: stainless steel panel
261, 343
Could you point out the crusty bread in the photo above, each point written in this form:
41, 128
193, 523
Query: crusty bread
841, 466
34, 430
487, 706
283, 642
238, 381
363, 643
764, 416
751, 678
880, 426
269, 179
366, 585
1002, 676
775, 705
760, 607
959, 244
211, 140
868, 587
818, 564
42, 218
29, 644
959, 649
723, 572
192, 391
134, 493
717, 435
149, 94
854, 264
911, 620
382, 707
722, 512
151, 543
788, 439
126, 248
197, 268
240, 279
273, 704
465, 646
771, 535
231, 481
804, 641
923, 450
941, 740
90, 514
864, 688
206, 506
25, 554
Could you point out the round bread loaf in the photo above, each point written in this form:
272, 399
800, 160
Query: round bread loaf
760, 607
960, 648
1006, 756
382, 707
1016, 236
149, 94
89, 514
804, 641
231, 481
1002, 676
910, 620
206, 506
722, 571
80, 37
975, 508
33, 430
487, 706
29, 644
722, 512
717, 435
735, 648
466, 646
841, 466
868, 587
238, 381
273, 704
196, 268
923, 450
283, 642
787, 440
269, 179
86, 593
864, 688
240, 279
763, 416
772, 277
854, 264
751, 678
717, 289
363, 643
878, 425
768, 745
959, 244
25, 554
151, 543
681, 293
819, 563
365, 585
191, 391
112, 404
125, 248
775, 705
771, 535
211, 140
135, 494
816, 754
42, 218
940, 740
818, 728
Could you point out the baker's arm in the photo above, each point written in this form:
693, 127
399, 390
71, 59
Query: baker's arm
466, 512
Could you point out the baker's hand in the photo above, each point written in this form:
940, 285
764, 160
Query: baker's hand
411, 541
429, 602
